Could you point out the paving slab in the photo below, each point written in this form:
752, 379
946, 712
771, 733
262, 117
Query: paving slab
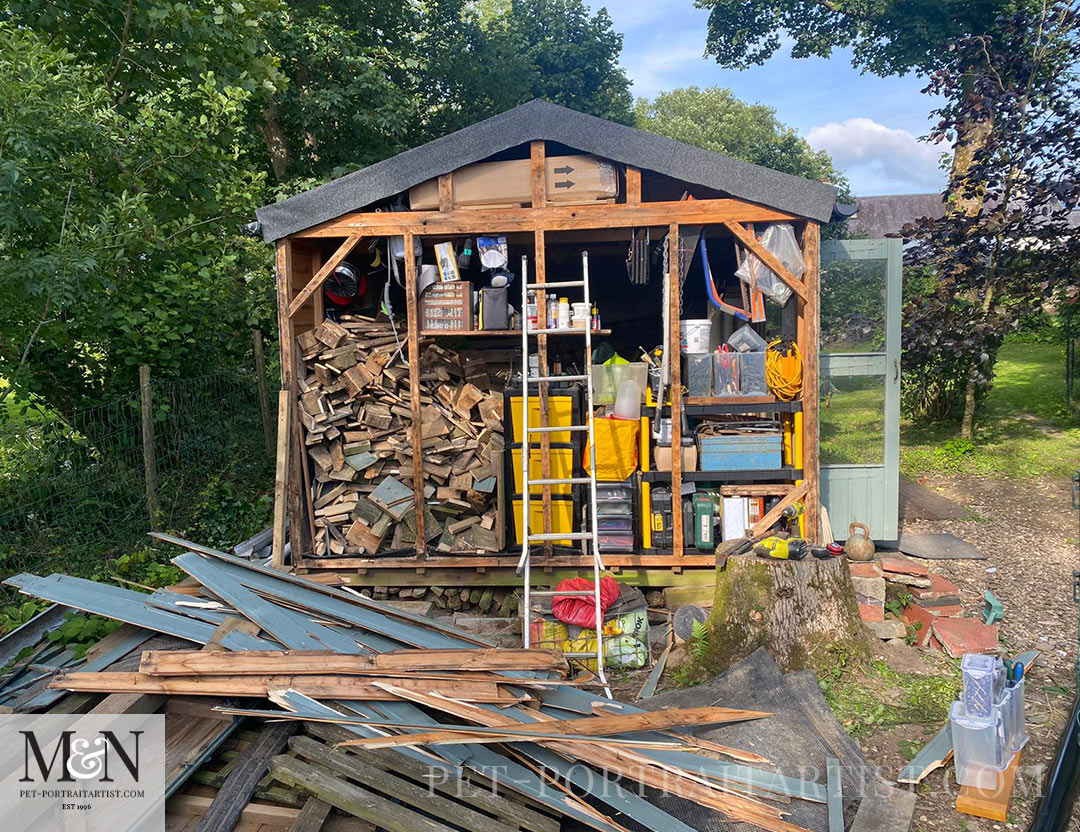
959, 636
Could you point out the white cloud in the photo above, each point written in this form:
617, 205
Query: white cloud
880, 159
662, 67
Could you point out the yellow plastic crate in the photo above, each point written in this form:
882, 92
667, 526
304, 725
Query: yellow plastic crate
562, 467
560, 414
562, 518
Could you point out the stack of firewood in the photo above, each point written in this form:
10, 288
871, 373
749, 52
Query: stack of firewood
355, 411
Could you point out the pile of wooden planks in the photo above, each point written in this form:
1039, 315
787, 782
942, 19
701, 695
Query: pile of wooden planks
362, 693
358, 431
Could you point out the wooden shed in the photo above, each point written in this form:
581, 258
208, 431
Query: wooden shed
525, 175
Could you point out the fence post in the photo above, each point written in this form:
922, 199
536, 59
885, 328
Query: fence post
264, 395
149, 457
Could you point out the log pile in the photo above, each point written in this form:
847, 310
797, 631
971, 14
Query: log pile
358, 429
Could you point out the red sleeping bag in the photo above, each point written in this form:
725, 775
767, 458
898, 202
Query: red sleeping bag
581, 609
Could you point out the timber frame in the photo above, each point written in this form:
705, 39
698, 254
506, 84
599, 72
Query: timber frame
301, 272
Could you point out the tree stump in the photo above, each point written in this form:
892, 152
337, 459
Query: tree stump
793, 608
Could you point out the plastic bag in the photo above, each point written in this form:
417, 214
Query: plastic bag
744, 339
779, 240
493, 252
579, 609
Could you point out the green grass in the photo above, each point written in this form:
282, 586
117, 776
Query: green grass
1023, 429
877, 697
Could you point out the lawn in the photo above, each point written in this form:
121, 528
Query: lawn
1023, 428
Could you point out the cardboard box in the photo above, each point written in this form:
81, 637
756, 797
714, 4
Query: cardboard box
570, 180
662, 457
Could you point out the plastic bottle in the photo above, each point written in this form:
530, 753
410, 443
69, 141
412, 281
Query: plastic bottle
595, 318
628, 401
531, 310
564, 313
552, 312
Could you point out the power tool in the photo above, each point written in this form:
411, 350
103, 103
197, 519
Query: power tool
783, 548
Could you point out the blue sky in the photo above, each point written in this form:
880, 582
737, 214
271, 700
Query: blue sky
869, 125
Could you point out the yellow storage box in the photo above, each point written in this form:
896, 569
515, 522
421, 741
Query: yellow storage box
562, 467
560, 414
562, 518
616, 449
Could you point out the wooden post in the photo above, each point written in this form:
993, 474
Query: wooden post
538, 177
281, 478
264, 393
299, 534
808, 347
446, 192
633, 185
149, 457
412, 311
674, 336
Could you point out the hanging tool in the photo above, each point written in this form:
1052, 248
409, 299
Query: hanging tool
637, 256
716, 298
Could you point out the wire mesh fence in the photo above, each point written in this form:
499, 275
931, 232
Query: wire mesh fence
74, 485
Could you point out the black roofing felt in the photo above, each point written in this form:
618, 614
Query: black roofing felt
543, 120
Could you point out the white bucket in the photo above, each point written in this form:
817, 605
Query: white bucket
695, 335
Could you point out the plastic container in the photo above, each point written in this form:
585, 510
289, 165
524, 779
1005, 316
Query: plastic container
744, 339
580, 315
725, 374
752, 374
628, 400
607, 378
979, 747
564, 313
1012, 709
695, 335
982, 688
699, 374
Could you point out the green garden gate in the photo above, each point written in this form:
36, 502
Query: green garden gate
861, 292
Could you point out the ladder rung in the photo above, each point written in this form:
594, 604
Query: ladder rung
561, 481
538, 379
578, 330
558, 284
562, 536
579, 593
569, 428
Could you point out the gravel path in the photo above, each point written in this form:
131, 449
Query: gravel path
1029, 532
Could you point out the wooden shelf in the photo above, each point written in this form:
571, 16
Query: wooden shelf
695, 406
501, 333
773, 474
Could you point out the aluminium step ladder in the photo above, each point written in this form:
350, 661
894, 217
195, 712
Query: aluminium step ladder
588, 536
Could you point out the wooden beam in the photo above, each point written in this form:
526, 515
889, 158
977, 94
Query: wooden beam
538, 172
332, 687
633, 185
304, 295
674, 348
314, 662
548, 218
446, 192
412, 318
793, 496
281, 479
766, 257
809, 329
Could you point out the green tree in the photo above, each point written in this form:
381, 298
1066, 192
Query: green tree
890, 37
713, 118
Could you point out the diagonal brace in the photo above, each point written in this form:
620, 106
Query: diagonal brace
323, 273
766, 257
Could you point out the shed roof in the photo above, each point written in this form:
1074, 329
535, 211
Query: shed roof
543, 120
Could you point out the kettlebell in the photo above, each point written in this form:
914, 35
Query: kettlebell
859, 546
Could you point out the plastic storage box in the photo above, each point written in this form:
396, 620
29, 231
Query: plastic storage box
984, 684
979, 747
699, 374
752, 374
1012, 711
606, 379
725, 374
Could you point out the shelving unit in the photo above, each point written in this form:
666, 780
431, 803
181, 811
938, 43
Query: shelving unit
768, 475
496, 333
725, 406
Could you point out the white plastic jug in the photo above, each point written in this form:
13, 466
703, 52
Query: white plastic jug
628, 400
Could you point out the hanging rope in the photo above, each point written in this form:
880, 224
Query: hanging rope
783, 370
